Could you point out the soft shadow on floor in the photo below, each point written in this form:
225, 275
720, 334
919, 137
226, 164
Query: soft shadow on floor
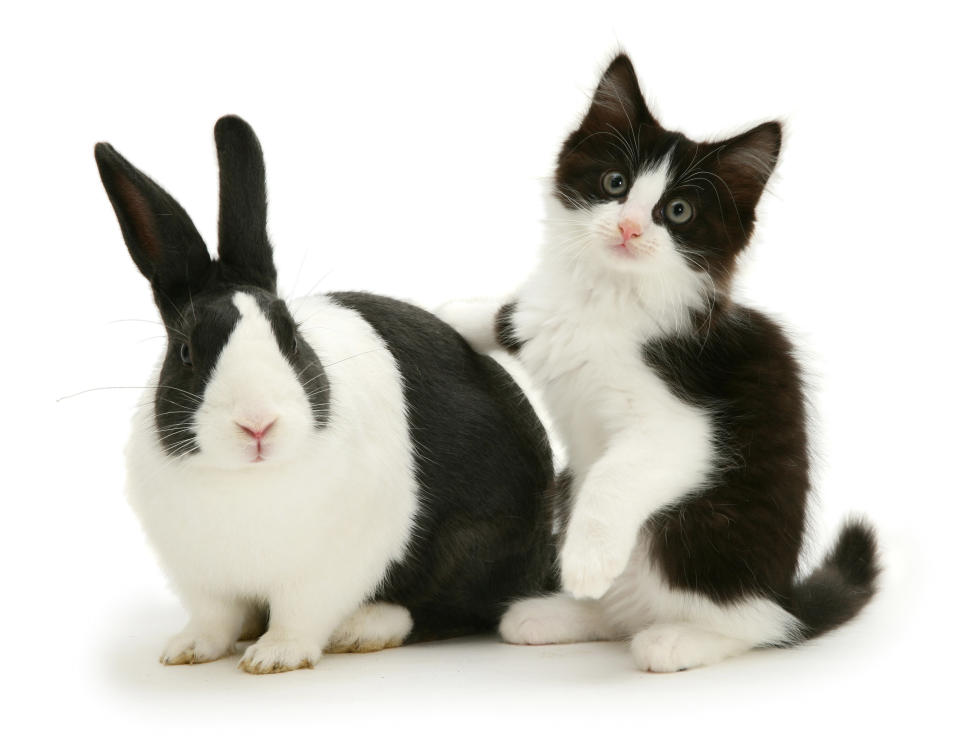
131, 645
577, 684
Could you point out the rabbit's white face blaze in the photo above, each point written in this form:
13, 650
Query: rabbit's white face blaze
255, 410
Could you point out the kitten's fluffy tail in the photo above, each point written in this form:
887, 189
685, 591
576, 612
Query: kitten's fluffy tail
842, 585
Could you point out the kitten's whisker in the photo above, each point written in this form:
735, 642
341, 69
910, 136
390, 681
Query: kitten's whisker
732, 198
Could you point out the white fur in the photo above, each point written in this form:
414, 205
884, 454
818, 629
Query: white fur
473, 318
312, 528
634, 446
251, 385
557, 619
672, 630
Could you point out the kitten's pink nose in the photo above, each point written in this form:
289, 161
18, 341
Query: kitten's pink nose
630, 229
258, 430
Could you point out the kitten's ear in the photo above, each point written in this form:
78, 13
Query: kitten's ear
745, 162
161, 238
245, 253
617, 100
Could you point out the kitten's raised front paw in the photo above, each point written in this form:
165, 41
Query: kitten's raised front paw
191, 647
277, 653
591, 561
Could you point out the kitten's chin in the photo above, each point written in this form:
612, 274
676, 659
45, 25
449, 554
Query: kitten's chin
633, 257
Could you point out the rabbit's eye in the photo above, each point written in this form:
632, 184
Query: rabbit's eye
185, 354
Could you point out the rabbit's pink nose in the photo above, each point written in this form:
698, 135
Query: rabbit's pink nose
258, 430
630, 229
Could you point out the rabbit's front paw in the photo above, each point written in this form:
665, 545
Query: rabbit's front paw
279, 653
372, 627
191, 647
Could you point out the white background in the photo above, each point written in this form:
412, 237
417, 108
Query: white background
406, 150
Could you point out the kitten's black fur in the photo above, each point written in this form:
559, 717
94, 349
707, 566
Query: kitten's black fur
740, 535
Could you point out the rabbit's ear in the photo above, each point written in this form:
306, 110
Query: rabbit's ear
245, 253
161, 238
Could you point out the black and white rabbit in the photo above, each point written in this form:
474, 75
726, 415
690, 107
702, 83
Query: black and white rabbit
345, 463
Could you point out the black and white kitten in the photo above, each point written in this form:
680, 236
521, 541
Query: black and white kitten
682, 411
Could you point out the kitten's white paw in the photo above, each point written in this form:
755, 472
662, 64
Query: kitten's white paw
191, 647
536, 621
465, 311
591, 560
278, 653
371, 628
473, 319
676, 647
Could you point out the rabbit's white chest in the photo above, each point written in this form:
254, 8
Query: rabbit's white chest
246, 536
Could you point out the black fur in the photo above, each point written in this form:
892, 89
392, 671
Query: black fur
480, 543
503, 327
245, 251
742, 534
160, 236
842, 585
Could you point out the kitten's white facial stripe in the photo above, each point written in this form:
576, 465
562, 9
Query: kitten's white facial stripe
586, 248
646, 191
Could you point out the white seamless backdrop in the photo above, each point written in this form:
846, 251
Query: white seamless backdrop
407, 148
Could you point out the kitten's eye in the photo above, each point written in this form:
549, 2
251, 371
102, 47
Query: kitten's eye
678, 211
296, 345
614, 183
185, 354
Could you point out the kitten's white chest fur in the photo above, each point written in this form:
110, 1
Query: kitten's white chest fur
634, 447
584, 350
